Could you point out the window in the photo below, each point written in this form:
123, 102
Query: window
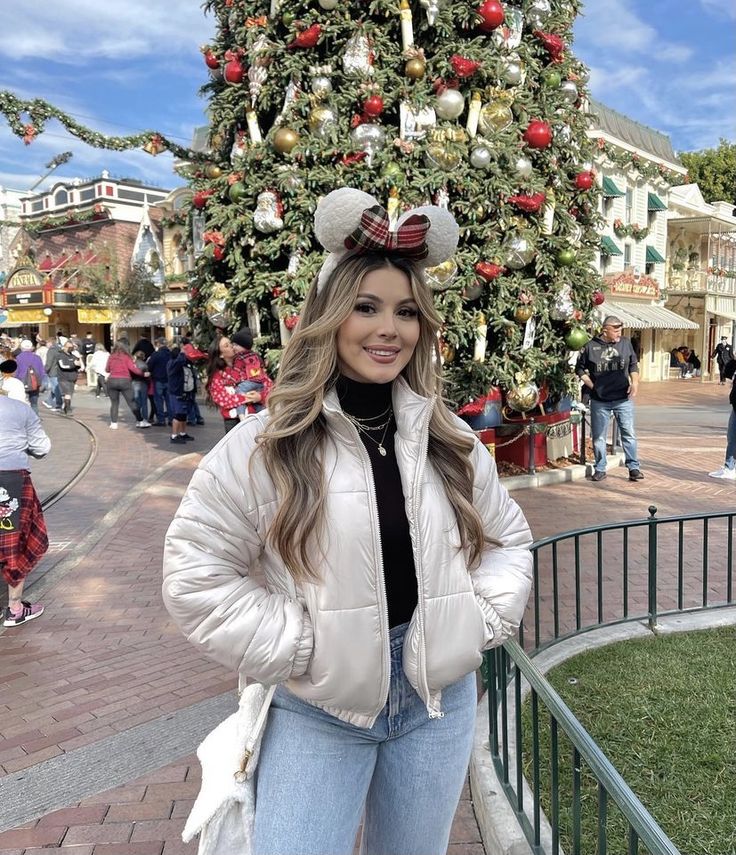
629, 204
86, 195
649, 268
627, 255
61, 197
605, 261
133, 195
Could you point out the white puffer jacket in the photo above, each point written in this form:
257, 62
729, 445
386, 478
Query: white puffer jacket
231, 594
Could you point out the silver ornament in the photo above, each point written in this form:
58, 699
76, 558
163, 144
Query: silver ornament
432, 8
369, 138
480, 157
321, 86
562, 309
518, 249
513, 73
569, 91
450, 104
537, 13
322, 121
523, 167
266, 218
328, 5
357, 58
441, 277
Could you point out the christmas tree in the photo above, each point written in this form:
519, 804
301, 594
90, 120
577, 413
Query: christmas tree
476, 105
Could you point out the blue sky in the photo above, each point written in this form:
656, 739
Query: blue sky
122, 66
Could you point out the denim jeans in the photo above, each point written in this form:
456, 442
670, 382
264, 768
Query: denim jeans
318, 776
623, 412
161, 400
140, 395
731, 442
54, 395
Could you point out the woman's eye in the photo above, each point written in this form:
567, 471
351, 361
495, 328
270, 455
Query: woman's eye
409, 313
365, 308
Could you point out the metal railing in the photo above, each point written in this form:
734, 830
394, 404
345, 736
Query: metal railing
586, 579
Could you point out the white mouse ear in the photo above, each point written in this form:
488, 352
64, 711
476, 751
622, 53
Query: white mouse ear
338, 216
442, 236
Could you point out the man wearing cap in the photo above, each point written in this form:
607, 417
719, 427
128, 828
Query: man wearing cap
608, 366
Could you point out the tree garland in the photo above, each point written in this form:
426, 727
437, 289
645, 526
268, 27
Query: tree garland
646, 168
27, 119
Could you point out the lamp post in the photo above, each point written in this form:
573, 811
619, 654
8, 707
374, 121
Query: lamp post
53, 164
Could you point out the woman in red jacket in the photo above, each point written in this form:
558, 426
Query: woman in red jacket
222, 378
121, 369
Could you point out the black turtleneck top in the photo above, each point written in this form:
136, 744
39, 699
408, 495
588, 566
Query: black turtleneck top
363, 401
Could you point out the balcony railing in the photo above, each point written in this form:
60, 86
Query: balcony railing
699, 281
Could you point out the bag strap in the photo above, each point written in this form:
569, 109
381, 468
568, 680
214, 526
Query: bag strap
255, 734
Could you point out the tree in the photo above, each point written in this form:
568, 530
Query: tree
714, 171
471, 104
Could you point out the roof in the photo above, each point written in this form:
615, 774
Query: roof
633, 133
645, 316
154, 317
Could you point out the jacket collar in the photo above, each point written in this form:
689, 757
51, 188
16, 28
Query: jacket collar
410, 410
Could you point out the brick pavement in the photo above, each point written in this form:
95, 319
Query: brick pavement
105, 658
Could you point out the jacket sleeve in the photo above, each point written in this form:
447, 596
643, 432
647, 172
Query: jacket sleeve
503, 579
39, 444
581, 366
211, 547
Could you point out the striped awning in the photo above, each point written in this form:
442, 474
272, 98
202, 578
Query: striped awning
608, 246
653, 256
144, 318
610, 190
654, 203
645, 316
179, 321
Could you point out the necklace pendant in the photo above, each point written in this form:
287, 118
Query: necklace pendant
381, 451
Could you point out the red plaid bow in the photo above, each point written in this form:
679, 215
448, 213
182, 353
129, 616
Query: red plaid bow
374, 235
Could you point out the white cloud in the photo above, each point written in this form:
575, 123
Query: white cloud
72, 31
722, 8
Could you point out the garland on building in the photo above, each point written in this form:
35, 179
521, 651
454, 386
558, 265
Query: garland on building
631, 230
472, 104
73, 218
630, 160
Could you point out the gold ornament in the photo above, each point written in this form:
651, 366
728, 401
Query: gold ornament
440, 278
415, 68
285, 139
217, 298
523, 313
495, 116
447, 352
212, 171
321, 120
523, 397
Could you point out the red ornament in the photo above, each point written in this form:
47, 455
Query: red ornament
584, 180
597, 297
218, 253
491, 15
488, 271
529, 203
233, 71
463, 67
353, 157
373, 106
554, 44
199, 199
307, 38
211, 61
538, 134
291, 322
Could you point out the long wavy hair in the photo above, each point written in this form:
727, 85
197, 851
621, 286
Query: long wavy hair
215, 363
292, 441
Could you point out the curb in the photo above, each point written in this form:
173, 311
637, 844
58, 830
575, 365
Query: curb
499, 827
558, 476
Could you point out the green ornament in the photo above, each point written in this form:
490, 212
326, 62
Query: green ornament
236, 191
552, 79
566, 257
392, 172
577, 338
287, 19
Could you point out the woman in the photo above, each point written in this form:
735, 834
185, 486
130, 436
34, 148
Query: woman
222, 380
69, 365
120, 370
353, 544
30, 372
98, 364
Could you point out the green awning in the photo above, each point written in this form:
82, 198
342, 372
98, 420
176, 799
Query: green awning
608, 246
653, 257
654, 203
610, 190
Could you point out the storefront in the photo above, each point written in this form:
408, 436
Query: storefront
654, 330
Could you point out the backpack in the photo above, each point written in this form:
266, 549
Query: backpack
188, 372
31, 383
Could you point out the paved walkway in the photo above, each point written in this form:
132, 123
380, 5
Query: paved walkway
103, 701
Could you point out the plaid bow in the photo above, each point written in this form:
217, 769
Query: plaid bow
374, 235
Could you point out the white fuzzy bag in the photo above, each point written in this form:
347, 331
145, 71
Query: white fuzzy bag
224, 811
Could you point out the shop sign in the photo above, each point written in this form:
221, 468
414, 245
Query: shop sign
27, 316
23, 298
23, 279
632, 285
95, 316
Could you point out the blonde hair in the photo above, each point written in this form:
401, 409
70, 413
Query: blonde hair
292, 441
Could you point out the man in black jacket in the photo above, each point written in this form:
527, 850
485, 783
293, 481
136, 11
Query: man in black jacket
723, 354
157, 363
608, 366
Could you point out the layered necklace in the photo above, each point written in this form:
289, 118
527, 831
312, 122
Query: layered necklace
367, 427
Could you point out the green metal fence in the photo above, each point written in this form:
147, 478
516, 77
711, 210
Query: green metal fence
585, 579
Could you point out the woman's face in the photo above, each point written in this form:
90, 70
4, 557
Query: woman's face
226, 349
377, 340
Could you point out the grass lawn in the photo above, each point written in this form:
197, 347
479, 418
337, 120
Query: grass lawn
663, 710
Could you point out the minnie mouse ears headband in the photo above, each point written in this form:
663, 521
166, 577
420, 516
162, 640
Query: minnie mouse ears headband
350, 222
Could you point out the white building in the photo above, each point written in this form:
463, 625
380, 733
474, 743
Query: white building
10, 208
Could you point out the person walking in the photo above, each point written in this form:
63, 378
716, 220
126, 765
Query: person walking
608, 367
353, 544
196, 357
728, 471
723, 354
23, 538
87, 348
98, 364
180, 380
10, 386
144, 344
157, 363
140, 383
30, 372
120, 370
69, 364
54, 400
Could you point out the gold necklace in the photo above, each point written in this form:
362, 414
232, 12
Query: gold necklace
381, 450
360, 426
370, 418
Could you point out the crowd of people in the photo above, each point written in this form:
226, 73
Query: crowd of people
159, 383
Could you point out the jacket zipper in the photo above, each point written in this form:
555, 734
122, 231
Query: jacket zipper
366, 461
422, 647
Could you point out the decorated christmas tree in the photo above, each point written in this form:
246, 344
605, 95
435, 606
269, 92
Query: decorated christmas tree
476, 105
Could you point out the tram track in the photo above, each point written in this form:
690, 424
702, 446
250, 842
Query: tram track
58, 494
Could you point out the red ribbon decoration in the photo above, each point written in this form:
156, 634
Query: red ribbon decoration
374, 234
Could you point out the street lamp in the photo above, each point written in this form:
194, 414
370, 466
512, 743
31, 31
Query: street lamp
53, 164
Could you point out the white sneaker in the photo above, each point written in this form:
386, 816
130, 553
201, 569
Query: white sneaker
723, 472
688, 376
143, 424
113, 425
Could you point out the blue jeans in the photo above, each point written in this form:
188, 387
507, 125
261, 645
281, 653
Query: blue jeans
161, 401
317, 776
54, 396
194, 417
140, 395
600, 414
731, 442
